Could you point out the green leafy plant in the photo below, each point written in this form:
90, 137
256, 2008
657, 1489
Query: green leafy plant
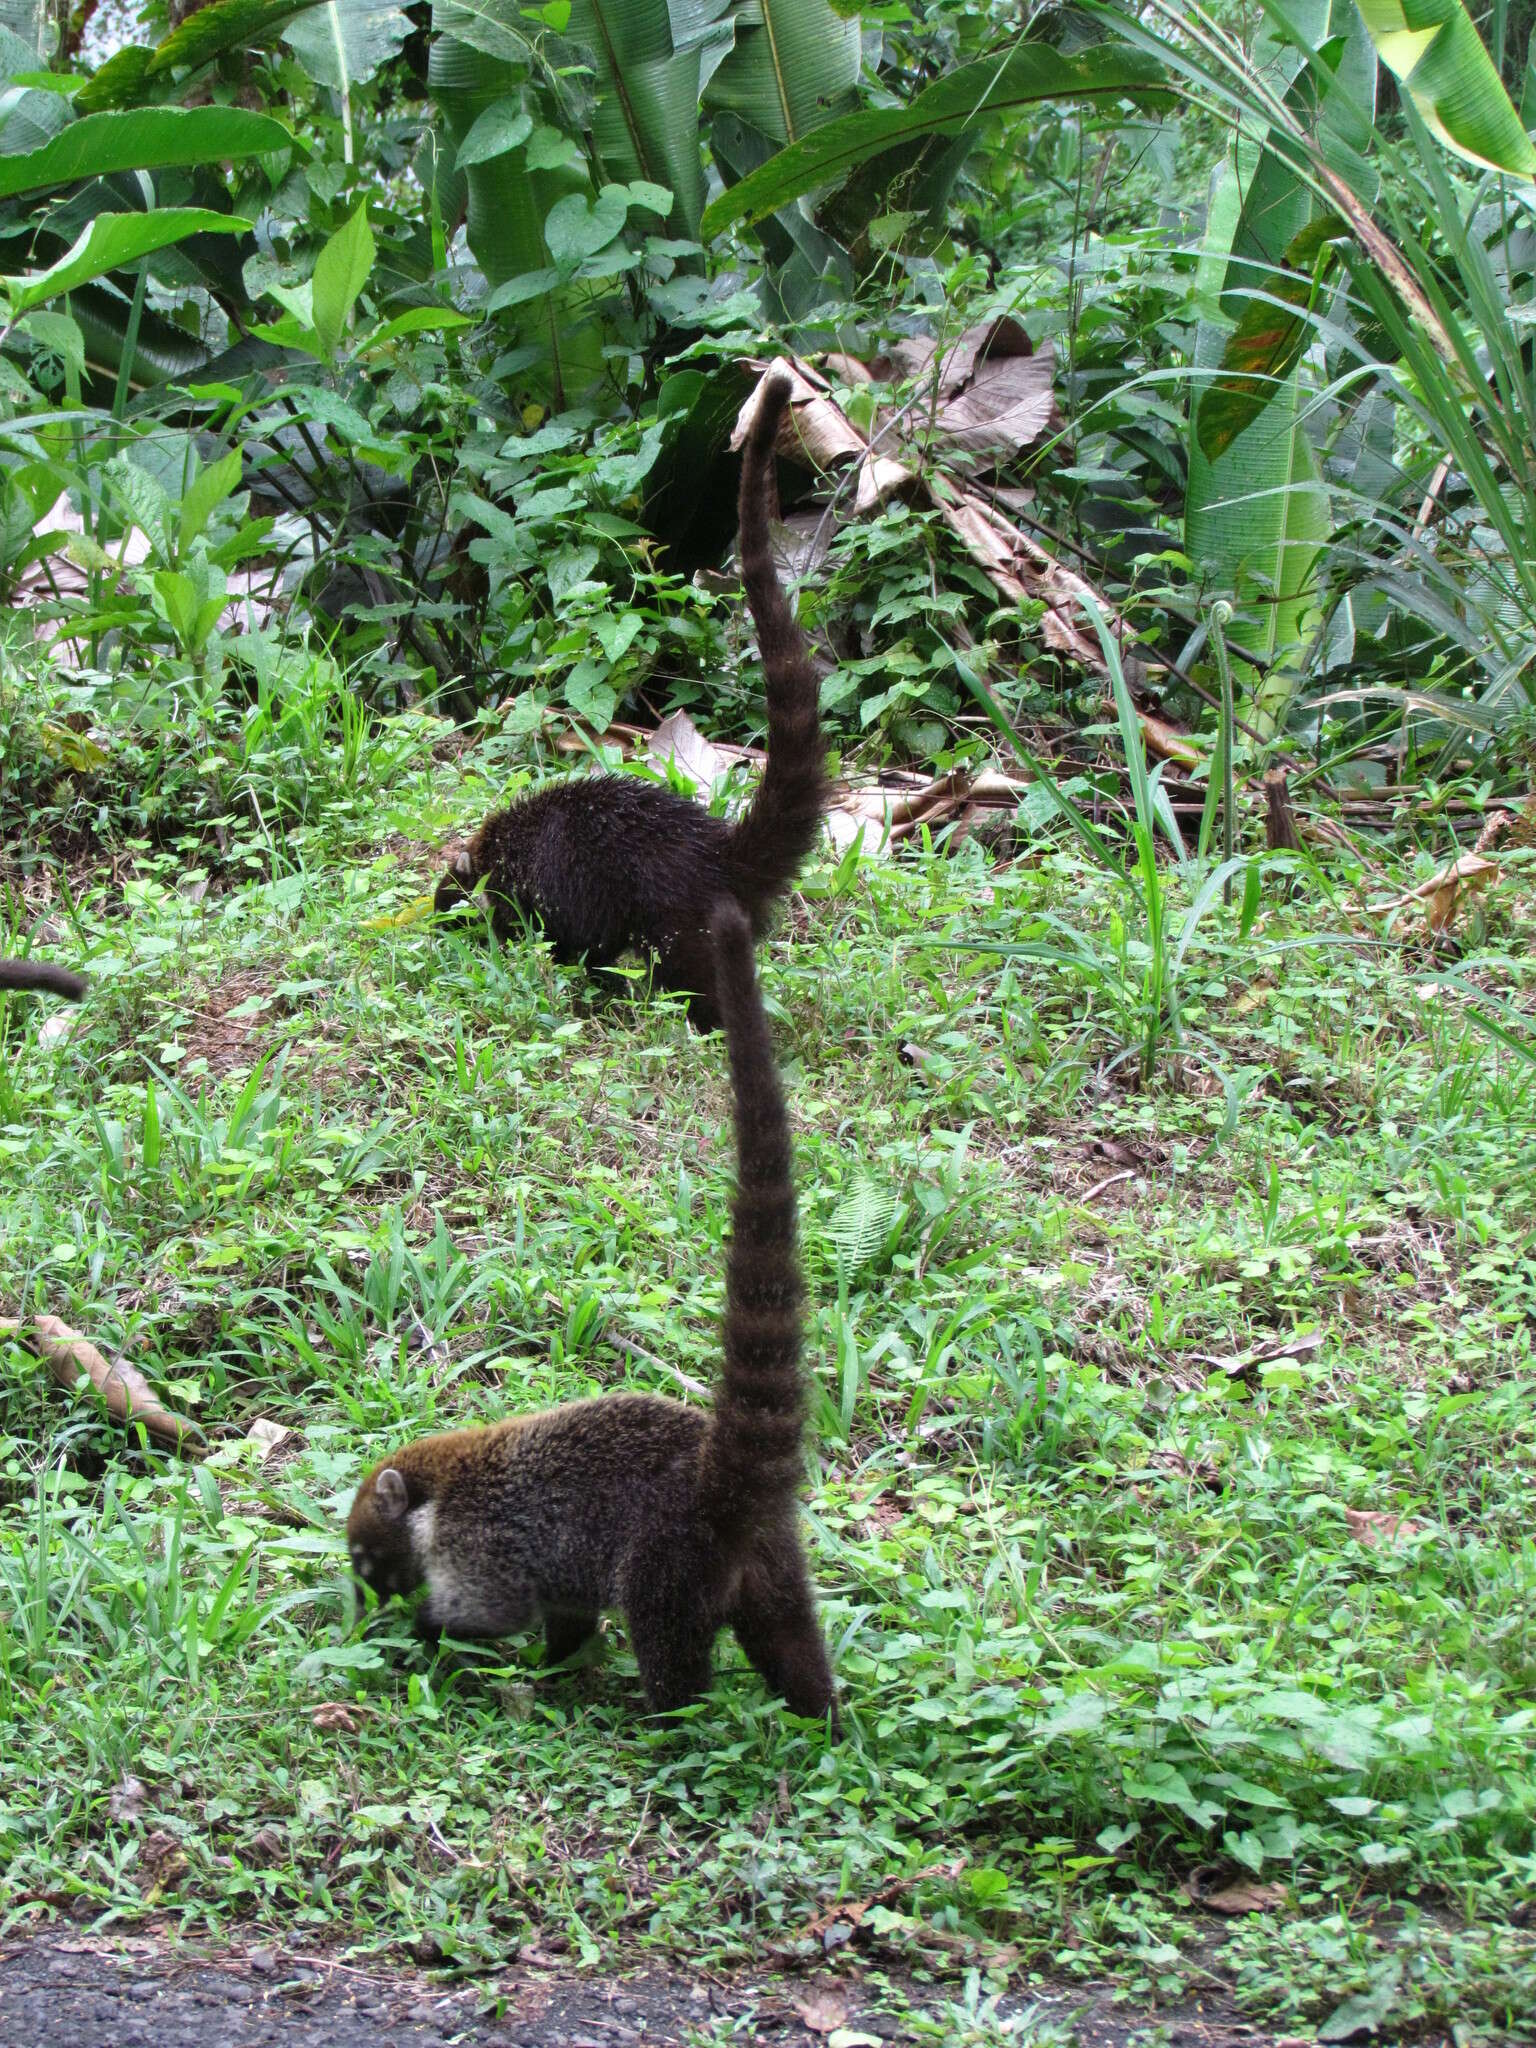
1144, 972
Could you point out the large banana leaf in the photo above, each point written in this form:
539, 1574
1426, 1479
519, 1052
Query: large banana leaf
651, 63
163, 353
1436, 54
342, 43
1256, 511
151, 139
645, 120
112, 240
508, 202
34, 24
1027, 75
29, 116
794, 65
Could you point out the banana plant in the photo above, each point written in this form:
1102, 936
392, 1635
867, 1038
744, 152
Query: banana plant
77, 198
1257, 515
575, 149
1295, 208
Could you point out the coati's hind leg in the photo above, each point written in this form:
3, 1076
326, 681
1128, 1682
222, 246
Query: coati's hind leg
775, 1623
565, 1634
669, 1630
685, 965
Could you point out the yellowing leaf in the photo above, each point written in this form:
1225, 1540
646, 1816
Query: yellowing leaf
72, 748
413, 913
1435, 52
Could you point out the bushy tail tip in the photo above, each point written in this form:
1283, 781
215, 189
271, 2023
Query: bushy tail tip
772, 399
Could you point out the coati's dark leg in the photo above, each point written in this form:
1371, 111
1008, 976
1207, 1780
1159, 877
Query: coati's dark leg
775, 1623
686, 966
564, 1635
669, 1631
675, 1666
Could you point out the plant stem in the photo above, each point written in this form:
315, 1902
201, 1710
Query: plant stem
1221, 617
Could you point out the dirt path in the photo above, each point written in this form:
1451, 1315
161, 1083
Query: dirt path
62, 1990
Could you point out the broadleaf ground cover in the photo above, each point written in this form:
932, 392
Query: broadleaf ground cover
1172, 1479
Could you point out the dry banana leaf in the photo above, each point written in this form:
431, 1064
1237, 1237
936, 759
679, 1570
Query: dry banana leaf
816, 431
1443, 893
128, 1396
994, 392
1518, 827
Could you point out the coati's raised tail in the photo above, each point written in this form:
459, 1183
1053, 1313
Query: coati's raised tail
606, 864
752, 1452
44, 977
686, 1521
770, 843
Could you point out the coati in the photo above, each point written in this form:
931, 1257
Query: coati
685, 1521
606, 863
44, 976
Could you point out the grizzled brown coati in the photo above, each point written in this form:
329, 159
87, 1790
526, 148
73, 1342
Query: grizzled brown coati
684, 1520
606, 863
43, 976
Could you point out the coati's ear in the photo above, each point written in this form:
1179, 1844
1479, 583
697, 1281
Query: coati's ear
390, 1495
463, 867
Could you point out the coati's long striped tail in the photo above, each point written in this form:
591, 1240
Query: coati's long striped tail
752, 1456
45, 977
772, 840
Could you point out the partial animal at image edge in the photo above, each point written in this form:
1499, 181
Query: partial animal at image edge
43, 978
606, 864
685, 1521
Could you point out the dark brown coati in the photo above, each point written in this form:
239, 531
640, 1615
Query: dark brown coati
43, 976
608, 863
684, 1520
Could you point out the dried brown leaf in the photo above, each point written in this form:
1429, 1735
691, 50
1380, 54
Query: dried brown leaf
862, 810
849, 1913
1443, 893
1243, 1896
127, 1797
816, 430
678, 739
881, 478
266, 1436
267, 1845
997, 391
124, 1390
1377, 1529
1238, 1365
822, 2008
333, 1717
161, 1859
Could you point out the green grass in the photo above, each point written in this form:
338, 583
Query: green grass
1097, 1611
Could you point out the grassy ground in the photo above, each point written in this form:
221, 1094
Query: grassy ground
1114, 1621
